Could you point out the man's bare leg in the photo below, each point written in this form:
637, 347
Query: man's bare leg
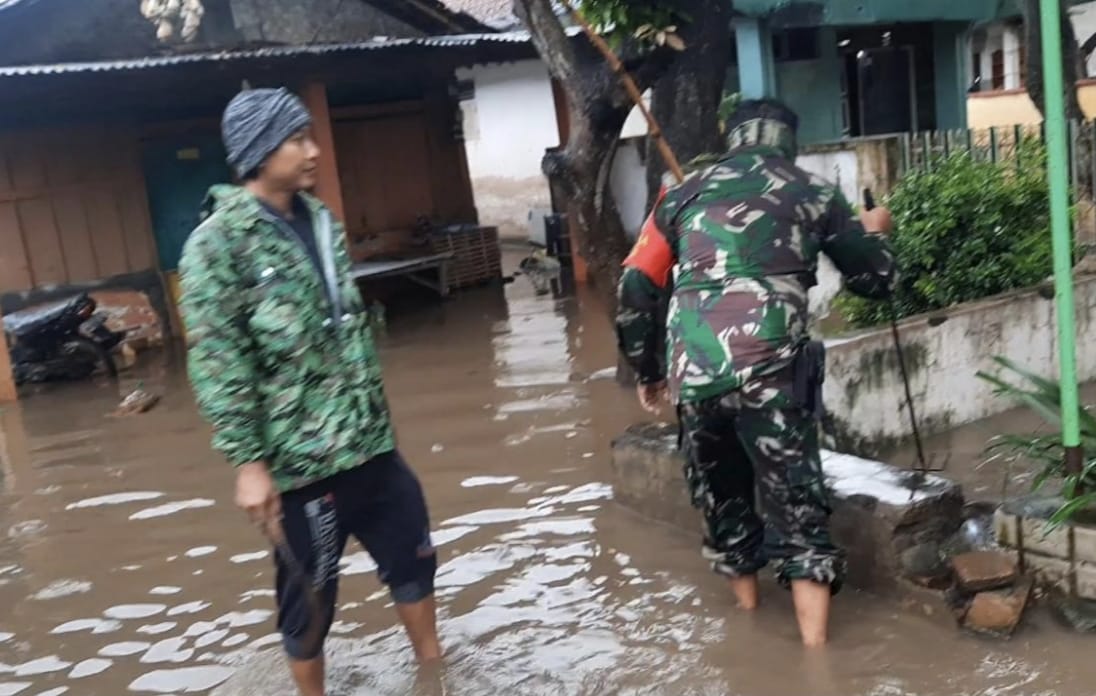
745, 591
812, 609
309, 676
420, 622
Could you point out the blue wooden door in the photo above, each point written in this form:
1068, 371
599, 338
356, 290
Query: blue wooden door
178, 172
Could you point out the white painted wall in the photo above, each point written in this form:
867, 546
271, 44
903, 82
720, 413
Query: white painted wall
1084, 23
870, 402
508, 127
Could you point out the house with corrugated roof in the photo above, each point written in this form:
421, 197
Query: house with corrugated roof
109, 134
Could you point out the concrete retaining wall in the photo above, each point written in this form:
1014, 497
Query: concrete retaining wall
944, 351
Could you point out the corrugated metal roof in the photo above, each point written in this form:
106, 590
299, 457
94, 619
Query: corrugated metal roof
456, 41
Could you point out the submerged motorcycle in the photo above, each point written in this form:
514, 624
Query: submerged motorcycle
66, 340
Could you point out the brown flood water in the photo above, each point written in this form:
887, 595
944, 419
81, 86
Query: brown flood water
125, 569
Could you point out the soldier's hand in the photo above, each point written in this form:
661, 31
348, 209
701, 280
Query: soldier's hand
257, 494
651, 396
877, 221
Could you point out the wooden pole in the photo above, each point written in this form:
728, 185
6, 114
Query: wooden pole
328, 185
8, 392
654, 131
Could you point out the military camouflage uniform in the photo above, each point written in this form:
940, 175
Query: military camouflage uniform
281, 358
729, 256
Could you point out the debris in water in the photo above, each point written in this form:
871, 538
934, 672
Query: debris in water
138, 401
62, 588
437, 448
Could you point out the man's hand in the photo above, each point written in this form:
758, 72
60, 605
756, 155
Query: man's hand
257, 494
877, 221
651, 396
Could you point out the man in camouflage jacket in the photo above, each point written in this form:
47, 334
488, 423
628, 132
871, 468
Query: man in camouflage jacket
282, 361
714, 307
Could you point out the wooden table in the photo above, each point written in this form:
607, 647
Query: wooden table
412, 268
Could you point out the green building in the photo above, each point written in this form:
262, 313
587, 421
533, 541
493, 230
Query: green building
861, 67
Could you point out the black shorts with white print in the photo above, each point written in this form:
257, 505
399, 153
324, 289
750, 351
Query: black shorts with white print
379, 503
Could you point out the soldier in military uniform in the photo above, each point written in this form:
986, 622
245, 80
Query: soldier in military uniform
283, 365
714, 308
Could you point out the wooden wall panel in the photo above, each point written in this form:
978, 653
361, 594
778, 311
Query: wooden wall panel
47, 261
137, 228
72, 227
14, 266
73, 207
105, 225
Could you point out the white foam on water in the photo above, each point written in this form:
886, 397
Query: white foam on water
165, 590
237, 619
235, 640
134, 611
157, 629
93, 625
172, 508
169, 650
43, 665
62, 588
211, 638
5, 637
114, 499
200, 551
498, 516
358, 563
124, 649
13, 688
450, 534
89, 668
249, 557
55, 692
477, 481
186, 680
189, 608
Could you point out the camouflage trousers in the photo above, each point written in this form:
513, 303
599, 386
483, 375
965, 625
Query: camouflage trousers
753, 468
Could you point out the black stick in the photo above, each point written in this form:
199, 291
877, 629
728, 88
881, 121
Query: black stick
869, 204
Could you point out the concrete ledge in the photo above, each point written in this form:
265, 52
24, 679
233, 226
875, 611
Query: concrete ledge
882, 515
1063, 558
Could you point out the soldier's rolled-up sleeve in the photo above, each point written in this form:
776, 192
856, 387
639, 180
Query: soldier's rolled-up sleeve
643, 297
865, 260
640, 327
220, 360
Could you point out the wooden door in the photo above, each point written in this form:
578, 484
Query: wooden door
384, 166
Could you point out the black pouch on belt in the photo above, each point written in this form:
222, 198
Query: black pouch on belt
810, 374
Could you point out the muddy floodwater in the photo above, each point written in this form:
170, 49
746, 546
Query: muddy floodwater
124, 567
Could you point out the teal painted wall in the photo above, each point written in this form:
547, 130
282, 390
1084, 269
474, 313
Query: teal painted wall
812, 88
854, 12
178, 173
951, 51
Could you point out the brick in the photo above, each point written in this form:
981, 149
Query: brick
1005, 525
1086, 580
1038, 538
979, 571
999, 612
1084, 543
1052, 572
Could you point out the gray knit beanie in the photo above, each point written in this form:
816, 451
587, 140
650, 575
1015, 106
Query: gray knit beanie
257, 122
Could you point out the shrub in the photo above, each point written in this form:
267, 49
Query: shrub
965, 230
1043, 396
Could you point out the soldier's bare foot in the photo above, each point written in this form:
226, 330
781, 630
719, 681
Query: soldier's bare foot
745, 591
812, 609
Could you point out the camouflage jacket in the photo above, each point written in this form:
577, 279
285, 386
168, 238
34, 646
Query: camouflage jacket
281, 357
715, 291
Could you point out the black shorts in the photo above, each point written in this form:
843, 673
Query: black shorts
379, 503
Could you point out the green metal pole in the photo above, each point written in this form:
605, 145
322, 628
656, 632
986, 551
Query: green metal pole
1058, 175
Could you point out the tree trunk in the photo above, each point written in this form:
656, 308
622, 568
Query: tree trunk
1072, 61
686, 101
1072, 71
597, 108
